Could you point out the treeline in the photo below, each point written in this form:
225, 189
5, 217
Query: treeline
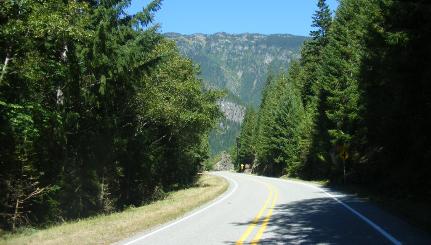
356, 107
98, 111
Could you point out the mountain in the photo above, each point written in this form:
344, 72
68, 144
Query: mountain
238, 63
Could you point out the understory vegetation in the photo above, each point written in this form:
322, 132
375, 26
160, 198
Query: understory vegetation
356, 107
98, 111
110, 228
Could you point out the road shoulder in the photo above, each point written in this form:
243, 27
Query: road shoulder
114, 227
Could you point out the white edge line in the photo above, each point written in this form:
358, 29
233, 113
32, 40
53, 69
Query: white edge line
365, 219
191, 215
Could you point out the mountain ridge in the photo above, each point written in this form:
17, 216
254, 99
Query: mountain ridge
168, 34
240, 64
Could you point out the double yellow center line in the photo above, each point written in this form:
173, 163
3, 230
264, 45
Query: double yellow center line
273, 195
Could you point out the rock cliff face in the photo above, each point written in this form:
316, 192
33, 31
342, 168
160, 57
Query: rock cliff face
225, 163
239, 64
232, 111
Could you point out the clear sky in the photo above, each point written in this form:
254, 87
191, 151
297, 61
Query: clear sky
235, 16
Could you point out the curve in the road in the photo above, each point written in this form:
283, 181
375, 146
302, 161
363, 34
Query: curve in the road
235, 187
256, 219
275, 211
265, 221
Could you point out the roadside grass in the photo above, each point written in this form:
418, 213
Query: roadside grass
105, 229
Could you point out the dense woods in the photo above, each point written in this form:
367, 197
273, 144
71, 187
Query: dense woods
98, 111
356, 107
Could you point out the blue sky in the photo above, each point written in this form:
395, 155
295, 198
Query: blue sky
235, 16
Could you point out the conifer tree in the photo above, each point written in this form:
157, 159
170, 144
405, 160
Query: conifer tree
311, 53
246, 144
98, 111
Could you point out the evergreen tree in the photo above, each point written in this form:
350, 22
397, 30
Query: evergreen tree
311, 53
397, 92
285, 134
246, 144
272, 93
98, 111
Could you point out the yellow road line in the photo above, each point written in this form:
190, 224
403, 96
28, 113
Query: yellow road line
265, 221
256, 219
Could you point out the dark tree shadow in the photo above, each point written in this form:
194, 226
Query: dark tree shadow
317, 221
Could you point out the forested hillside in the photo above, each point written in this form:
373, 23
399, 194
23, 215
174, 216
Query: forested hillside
223, 137
239, 64
356, 108
98, 111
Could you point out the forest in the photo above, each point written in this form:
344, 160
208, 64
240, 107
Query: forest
356, 107
98, 111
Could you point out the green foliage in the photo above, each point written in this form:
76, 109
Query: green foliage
280, 125
98, 111
239, 64
210, 163
356, 106
342, 110
245, 142
223, 138
397, 91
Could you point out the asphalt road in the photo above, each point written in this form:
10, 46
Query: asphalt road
260, 210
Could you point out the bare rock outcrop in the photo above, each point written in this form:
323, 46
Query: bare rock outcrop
225, 163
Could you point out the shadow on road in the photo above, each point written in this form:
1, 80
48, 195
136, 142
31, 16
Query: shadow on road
316, 221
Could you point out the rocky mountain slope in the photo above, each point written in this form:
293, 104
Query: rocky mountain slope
238, 63
232, 111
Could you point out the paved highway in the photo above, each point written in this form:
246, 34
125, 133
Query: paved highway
260, 210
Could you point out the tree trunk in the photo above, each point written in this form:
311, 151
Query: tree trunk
3, 72
102, 193
15, 215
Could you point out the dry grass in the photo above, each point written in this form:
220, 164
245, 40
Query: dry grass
105, 229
